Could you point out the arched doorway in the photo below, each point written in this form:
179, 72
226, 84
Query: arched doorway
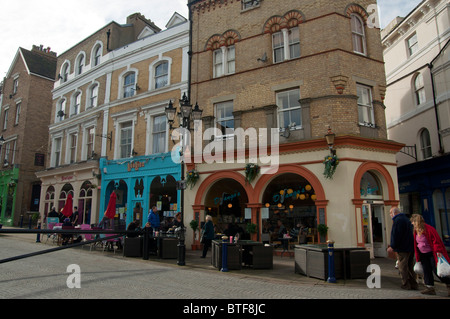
290, 199
226, 201
164, 195
49, 200
65, 191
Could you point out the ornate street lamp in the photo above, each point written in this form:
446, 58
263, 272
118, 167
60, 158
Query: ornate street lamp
185, 115
330, 140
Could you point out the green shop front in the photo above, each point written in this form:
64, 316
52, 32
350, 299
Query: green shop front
8, 189
140, 183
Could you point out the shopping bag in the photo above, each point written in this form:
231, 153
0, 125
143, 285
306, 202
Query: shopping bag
443, 267
418, 269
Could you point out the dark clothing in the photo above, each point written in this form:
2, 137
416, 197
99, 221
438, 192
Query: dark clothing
53, 213
406, 269
208, 231
429, 268
402, 239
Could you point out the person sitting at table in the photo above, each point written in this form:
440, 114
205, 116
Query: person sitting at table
177, 222
66, 237
133, 226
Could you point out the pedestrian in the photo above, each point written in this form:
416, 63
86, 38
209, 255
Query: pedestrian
428, 247
153, 219
402, 242
208, 234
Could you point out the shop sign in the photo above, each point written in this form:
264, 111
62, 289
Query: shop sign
135, 165
288, 193
66, 178
226, 198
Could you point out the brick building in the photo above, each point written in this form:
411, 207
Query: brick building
26, 105
294, 68
108, 102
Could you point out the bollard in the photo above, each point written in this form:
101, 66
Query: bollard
38, 236
21, 221
29, 222
145, 248
331, 273
224, 254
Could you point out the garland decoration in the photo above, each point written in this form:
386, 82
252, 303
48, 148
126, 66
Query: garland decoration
331, 162
192, 178
251, 171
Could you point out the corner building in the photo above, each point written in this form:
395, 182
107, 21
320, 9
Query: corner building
293, 69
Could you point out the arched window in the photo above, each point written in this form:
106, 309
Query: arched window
161, 75
425, 144
64, 72
129, 84
358, 34
76, 104
419, 89
60, 110
80, 64
97, 54
93, 96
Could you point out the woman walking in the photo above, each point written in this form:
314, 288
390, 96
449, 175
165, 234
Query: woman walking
208, 231
428, 247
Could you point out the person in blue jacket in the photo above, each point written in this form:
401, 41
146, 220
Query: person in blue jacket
153, 219
208, 231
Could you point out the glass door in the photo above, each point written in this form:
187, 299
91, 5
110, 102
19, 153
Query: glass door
378, 231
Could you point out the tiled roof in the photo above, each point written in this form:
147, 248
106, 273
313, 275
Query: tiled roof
42, 64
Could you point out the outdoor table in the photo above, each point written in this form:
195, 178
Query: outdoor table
312, 261
256, 255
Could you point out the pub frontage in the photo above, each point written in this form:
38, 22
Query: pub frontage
140, 183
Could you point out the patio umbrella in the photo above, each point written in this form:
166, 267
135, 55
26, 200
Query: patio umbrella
68, 210
111, 209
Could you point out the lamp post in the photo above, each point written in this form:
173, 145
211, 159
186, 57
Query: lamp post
330, 140
186, 114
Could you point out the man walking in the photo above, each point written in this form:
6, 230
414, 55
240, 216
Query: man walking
402, 242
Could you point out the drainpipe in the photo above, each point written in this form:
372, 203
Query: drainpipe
190, 50
107, 43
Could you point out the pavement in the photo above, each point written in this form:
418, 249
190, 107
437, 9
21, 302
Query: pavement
283, 269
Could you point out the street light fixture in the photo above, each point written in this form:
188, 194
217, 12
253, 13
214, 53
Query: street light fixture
185, 115
330, 140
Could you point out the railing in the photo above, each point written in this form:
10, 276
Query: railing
117, 234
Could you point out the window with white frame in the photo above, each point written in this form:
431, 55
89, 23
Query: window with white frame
358, 34
80, 64
224, 118
90, 135
289, 109
224, 60
7, 147
425, 144
129, 84
18, 105
365, 106
5, 119
76, 104
126, 139
419, 89
161, 75
249, 4
65, 72
412, 44
286, 44
15, 85
159, 134
73, 147
57, 151
93, 95
60, 110
97, 54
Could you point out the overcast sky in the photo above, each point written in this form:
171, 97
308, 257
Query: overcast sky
61, 24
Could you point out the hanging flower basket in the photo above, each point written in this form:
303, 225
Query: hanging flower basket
251, 171
192, 177
331, 162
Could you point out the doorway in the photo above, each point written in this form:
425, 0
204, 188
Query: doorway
374, 229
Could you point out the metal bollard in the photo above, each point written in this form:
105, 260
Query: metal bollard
146, 239
224, 254
29, 222
331, 270
21, 221
38, 236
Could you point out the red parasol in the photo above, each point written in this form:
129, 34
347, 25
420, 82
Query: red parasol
68, 210
111, 210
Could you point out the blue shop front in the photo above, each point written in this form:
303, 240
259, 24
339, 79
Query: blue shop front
425, 189
140, 183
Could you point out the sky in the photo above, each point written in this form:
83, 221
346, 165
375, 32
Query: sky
62, 24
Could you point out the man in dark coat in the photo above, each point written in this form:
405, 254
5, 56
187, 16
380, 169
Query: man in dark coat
402, 242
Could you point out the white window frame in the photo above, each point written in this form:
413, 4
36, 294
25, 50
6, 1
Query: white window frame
162, 76
419, 89
227, 63
96, 54
5, 118
61, 106
76, 103
18, 107
71, 150
119, 120
56, 150
15, 85
285, 43
92, 98
157, 135
293, 107
80, 63
218, 120
412, 44
358, 36
365, 107
131, 87
425, 144
7, 146
65, 69
250, 4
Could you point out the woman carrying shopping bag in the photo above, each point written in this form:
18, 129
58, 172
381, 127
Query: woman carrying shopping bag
428, 247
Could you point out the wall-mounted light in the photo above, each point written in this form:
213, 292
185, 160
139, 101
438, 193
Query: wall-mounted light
330, 140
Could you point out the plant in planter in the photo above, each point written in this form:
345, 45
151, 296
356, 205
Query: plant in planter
251, 171
323, 230
194, 226
251, 228
331, 162
192, 177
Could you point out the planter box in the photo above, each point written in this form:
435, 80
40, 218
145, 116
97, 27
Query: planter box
233, 253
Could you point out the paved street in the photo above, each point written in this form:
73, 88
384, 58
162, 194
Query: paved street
111, 276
